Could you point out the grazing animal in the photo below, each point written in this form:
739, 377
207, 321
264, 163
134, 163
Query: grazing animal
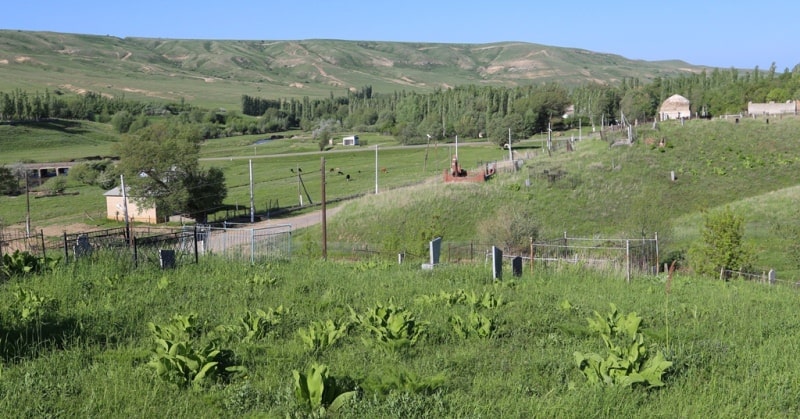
292, 170
347, 177
339, 172
383, 170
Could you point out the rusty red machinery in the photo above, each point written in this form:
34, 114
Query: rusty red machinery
457, 174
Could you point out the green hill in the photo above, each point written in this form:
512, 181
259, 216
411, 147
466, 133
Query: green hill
218, 73
622, 191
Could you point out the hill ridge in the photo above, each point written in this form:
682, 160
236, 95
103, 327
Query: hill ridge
294, 68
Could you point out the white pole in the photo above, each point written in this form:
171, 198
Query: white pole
376, 169
510, 153
125, 205
252, 199
456, 146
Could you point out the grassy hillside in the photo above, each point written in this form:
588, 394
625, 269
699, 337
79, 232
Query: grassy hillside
617, 191
596, 189
76, 342
217, 73
55, 141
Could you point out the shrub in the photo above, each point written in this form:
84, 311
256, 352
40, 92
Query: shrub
722, 245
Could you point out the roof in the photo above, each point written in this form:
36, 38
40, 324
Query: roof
115, 192
677, 99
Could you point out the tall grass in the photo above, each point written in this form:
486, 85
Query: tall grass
731, 342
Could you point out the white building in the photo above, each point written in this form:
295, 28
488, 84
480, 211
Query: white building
351, 140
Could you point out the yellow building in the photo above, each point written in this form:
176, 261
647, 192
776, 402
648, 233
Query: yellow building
115, 209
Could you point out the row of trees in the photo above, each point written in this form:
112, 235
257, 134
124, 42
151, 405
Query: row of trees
474, 111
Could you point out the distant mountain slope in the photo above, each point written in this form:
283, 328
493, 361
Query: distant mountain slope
219, 72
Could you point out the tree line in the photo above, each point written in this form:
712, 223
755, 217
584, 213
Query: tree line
478, 111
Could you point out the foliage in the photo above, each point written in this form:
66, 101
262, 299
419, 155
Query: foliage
206, 190
89, 173
31, 308
318, 393
721, 245
9, 182
629, 362
180, 358
21, 263
319, 335
398, 379
161, 164
258, 324
476, 324
511, 226
391, 327
55, 185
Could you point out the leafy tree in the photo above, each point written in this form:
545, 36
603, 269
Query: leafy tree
721, 245
160, 164
9, 182
511, 227
637, 105
55, 185
206, 190
121, 121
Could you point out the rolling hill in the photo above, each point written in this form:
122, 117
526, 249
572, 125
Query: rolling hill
218, 72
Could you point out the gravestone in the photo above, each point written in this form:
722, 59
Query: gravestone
434, 250
82, 246
497, 263
167, 258
516, 266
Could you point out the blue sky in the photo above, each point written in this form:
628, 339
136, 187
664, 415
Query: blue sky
733, 33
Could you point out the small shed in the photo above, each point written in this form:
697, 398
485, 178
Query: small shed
115, 209
350, 140
675, 107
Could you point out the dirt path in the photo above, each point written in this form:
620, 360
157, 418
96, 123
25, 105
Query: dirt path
298, 221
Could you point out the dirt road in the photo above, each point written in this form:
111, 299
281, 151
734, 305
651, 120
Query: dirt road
299, 221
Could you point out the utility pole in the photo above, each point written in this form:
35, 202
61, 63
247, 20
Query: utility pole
510, 153
324, 215
125, 208
252, 200
376, 169
28, 205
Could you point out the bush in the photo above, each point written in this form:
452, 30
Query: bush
722, 245
55, 185
510, 227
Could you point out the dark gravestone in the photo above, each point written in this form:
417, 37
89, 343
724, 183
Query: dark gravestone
82, 246
167, 258
497, 263
516, 266
434, 250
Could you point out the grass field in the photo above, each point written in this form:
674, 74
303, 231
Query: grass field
76, 341
599, 190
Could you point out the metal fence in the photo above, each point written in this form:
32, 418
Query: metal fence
253, 244
167, 249
626, 255
12, 241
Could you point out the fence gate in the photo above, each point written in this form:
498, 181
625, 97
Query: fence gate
252, 244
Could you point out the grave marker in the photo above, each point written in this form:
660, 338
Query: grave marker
516, 266
82, 246
434, 250
497, 263
167, 258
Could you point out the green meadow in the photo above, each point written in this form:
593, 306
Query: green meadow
87, 339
